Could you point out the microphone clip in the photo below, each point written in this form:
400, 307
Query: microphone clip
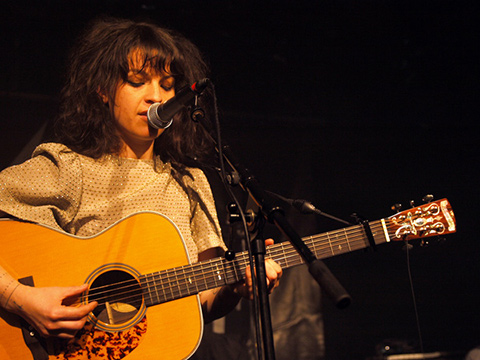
197, 113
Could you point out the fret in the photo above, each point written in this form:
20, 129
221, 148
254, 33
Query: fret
212, 279
234, 267
146, 291
170, 285
203, 276
347, 240
227, 265
177, 283
344, 246
220, 273
292, 257
187, 279
193, 279
150, 282
378, 232
149, 291
209, 277
225, 276
162, 283
216, 273
279, 256
330, 243
313, 245
155, 286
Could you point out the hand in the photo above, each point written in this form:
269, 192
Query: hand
50, 310
273, 271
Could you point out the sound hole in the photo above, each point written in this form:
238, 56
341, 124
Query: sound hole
119, 297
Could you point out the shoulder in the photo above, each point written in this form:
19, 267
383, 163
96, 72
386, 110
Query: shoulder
56, 157
54, 151
196, 178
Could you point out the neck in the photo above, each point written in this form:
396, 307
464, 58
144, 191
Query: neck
144, 152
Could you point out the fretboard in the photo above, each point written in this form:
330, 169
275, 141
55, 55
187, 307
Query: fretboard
171, 284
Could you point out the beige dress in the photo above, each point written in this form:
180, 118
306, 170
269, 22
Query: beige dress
62, 189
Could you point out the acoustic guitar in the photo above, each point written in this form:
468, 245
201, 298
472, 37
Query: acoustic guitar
139, 272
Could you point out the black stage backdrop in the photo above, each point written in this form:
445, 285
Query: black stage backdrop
353, 105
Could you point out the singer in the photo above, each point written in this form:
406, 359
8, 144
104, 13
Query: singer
107, 163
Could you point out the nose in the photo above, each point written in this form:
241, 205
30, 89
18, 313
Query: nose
154, 93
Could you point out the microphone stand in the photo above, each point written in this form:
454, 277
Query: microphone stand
275, 215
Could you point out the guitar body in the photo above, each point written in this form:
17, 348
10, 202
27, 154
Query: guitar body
139, 244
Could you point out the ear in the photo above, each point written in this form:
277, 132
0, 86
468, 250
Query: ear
102, 95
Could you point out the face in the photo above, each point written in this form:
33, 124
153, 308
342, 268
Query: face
132, 100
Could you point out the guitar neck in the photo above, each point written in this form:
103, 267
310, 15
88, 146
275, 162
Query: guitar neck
171, 284
329, 244
435, 218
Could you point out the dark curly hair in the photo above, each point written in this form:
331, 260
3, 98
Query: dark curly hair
99, 60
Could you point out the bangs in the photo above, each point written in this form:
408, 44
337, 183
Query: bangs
148, 49
151, 60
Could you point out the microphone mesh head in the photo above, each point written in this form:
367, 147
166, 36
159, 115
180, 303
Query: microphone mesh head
152, 115
154, 120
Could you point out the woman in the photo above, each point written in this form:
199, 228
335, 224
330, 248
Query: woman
108, 163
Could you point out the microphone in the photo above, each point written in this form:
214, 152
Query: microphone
160, 116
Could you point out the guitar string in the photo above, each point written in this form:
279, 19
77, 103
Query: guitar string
273, 251
179, 284
323, 250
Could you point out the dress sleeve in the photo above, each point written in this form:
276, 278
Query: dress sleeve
205, 227
45, 189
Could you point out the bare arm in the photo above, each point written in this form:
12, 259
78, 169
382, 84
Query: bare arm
49, 310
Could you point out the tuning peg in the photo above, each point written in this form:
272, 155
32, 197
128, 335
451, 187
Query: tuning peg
412, 203
427, 198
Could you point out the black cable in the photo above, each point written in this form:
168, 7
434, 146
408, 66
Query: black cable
417, 318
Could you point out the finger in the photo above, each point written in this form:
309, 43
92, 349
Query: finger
78, 312
274, 271
248, 276
71, 294
67, 329
269, 242
75, 290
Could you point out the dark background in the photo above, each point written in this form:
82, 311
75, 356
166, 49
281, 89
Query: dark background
353, 105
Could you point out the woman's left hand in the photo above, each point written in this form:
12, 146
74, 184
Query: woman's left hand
273, 271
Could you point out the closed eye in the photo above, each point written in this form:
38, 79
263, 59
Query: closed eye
167, 88
135, 84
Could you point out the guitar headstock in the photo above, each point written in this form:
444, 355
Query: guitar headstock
430, 219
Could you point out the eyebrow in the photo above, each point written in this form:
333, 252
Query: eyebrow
148, 73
